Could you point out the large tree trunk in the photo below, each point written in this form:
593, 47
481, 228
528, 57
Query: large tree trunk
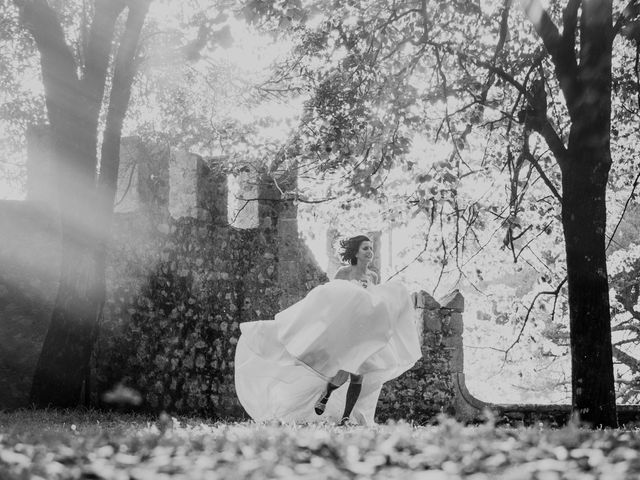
584, 221
86, 200
59, 373
586, 85
584, 213
62, 365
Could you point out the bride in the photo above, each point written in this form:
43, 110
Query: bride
295, 368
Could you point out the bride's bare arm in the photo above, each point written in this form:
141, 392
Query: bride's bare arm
342, 273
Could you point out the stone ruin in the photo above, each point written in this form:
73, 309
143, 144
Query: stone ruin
163, 193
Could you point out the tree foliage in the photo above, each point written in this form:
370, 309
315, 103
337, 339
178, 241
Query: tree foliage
382, 73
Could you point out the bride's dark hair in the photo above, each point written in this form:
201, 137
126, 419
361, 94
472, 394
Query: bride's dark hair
350, 248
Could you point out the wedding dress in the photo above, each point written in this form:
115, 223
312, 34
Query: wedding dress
282, 366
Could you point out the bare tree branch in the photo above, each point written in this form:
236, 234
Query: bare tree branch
424, 249
502, 38
542, 125
627, 359
534, 161
526, 318
624, 210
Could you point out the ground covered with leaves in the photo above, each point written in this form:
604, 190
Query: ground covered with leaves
93, 445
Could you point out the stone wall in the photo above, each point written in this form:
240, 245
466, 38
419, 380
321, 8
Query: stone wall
428, 389
170, 331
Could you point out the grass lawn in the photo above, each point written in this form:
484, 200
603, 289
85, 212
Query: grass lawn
92, 445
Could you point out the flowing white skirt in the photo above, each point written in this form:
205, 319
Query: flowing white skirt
282, 366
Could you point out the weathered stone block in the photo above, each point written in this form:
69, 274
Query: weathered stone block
455, 324
426, 301
196, 189
287, 238
269, 204
455, 347
183, 184
212, 191
243, 211
153, 175
453, 301
431, 321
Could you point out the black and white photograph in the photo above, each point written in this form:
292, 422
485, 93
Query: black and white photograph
320, 239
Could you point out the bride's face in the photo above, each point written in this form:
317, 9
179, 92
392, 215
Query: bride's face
365, 252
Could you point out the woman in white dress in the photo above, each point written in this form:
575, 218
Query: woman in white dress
294, 367
358, 253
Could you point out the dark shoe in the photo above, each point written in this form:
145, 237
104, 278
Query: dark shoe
321, 405
344, 421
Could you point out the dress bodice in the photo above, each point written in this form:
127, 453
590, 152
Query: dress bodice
364, 282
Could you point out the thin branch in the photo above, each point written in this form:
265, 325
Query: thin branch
287, 198
128, 187
627, 359
424, 249
624, 210
496, 230
444, 255
396, 16
542, 125
533, 161
636, 69
502, 74
526, 318
502, 38
526, 245
634, 341
553, 140
447, 115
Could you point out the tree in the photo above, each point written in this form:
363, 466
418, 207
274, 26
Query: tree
374, 68
75, 87
585, 80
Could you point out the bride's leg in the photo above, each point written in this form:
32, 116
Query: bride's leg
334, 383
353, 392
